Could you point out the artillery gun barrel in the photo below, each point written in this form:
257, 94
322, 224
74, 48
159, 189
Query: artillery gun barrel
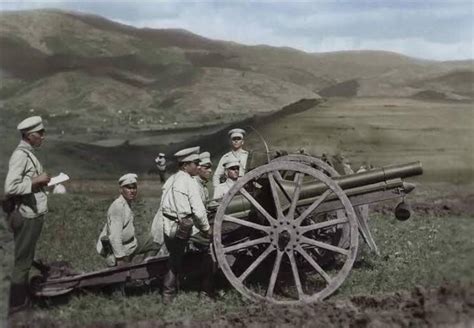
364, 178
240, 205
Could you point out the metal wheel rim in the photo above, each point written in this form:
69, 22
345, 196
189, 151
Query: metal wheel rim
334, 283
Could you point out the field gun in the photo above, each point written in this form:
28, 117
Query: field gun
287, 232
294, 224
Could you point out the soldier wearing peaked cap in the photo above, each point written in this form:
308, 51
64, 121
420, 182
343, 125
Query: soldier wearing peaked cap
232, 167
26, 205
236, 137
204, 174
181, 214
117, 242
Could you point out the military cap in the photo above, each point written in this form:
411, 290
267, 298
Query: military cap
188, 154
236, 133
161, 155
232, 162
31, 124
127, 179
205, 158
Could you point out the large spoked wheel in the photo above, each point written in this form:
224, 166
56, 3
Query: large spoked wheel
279, 253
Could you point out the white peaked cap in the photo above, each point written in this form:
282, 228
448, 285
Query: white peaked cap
205, 158
187, 154
31, 124
127, 179
236, 133
232, 162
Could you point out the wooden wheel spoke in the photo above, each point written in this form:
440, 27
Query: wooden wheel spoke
329, 247
313, 206
246, 244
254, 265
296, 195
273, 277
296, 275
321, 225
278, 175
314, 264
246, 223
259, 207
276, 198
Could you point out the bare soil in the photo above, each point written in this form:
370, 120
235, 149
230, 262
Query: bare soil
450, 305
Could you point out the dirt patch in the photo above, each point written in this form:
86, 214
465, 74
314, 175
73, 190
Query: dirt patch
450, 305
453, 204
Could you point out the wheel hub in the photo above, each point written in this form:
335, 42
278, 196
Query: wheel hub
283, 239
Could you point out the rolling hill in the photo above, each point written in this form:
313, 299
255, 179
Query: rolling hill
105, 84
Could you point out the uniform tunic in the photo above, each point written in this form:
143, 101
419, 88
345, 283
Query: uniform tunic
241, 155
223, 188
120, 229
27, 222
204, 192
181, 198
22, 168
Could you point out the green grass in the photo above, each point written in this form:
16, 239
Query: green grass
422, 251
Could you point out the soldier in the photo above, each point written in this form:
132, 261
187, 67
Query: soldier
25, 191
236, 142
161, 166
204, 174
117, 241
232, 168
181, 214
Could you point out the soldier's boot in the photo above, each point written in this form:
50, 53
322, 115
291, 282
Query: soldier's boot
169, 287
207, 285
19, 298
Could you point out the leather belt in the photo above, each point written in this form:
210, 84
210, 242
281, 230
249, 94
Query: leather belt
128, 241
174, 218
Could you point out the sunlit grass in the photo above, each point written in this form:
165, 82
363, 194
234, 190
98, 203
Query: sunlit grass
422, 251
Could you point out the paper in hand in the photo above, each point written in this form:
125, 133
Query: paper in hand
61, 177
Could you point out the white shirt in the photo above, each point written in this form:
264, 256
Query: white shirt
223, 188
241, 154
181, 198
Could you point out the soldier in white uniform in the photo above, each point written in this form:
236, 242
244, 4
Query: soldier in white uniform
117, 242
236, 137
26, 205
204, 174
232, 174
181, 214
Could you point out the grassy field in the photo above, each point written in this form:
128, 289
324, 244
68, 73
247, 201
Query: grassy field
382, 131
426, 250
423, 251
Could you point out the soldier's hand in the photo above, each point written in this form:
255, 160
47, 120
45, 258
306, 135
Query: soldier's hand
122, 261
41, 180
207, 233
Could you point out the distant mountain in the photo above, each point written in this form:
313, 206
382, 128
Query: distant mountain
113, 94
106, 77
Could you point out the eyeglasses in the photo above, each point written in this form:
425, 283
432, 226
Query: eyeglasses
236, 139
233, 168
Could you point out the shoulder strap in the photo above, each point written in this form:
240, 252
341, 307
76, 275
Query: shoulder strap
29, 154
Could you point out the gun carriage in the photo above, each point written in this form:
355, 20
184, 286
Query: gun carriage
287, 232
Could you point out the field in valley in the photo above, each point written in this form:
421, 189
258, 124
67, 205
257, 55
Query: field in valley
426, 263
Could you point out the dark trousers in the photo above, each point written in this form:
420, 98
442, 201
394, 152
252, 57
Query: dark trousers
26, 233
208, 267
176, 248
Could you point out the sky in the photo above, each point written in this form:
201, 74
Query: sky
429, 29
